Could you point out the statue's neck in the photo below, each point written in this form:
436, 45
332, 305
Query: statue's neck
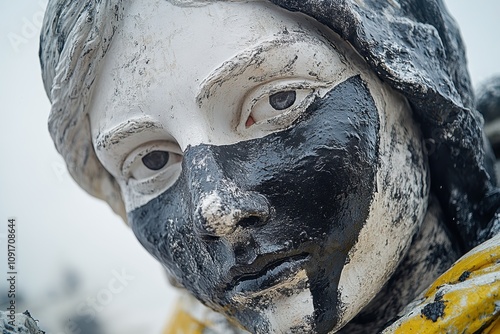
431, 253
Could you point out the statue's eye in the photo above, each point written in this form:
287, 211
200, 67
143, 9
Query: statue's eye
282, 100
275, 105
155, 160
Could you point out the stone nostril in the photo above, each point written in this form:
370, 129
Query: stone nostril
221, 211
250, 221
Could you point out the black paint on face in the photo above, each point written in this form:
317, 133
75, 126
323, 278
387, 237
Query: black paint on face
295, 199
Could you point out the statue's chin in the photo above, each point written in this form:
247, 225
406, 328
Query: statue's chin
293, 314
284, 308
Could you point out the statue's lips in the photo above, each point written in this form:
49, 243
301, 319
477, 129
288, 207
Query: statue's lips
272, 274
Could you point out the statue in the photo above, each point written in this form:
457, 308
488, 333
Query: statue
296, 166
19, 323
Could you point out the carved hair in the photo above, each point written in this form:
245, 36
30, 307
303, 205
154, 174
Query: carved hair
413, 45
74, 39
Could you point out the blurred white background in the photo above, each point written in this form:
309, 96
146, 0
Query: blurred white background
70, 246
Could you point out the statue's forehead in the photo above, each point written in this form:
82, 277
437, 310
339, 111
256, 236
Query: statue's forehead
261, 53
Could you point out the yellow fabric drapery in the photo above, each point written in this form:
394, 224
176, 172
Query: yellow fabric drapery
465, 299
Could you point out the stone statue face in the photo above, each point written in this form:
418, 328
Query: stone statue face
261, 162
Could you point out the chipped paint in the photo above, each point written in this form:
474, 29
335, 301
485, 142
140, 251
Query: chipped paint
219, 219
452, 305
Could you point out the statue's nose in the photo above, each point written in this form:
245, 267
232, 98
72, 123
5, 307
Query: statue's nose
220, 204
222, 210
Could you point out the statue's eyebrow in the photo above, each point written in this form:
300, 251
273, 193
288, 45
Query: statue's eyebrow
124, 130
238, 64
